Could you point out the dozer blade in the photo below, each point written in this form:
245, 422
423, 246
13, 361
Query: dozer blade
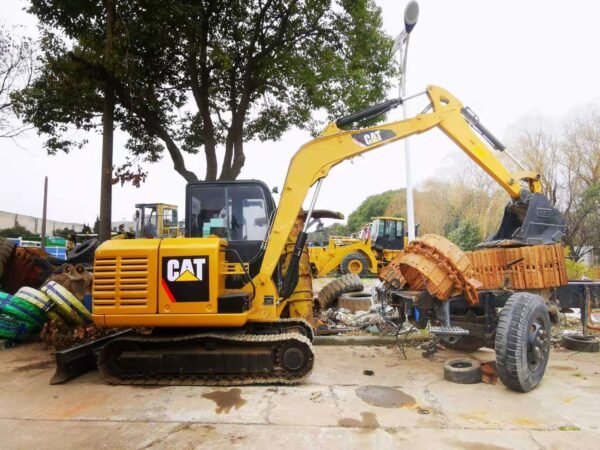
77, 360
531, 220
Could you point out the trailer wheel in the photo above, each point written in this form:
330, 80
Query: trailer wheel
355, 263
580, 343
523, 341
344, 284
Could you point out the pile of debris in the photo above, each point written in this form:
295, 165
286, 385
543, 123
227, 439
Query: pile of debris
36, 296
345, 306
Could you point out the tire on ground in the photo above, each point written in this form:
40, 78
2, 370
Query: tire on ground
6, 250
330, 293
580, 343
84, 253
466, 344
523, 341
355, 301
463, 371
355, 263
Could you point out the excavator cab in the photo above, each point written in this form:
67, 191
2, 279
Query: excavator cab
237, 211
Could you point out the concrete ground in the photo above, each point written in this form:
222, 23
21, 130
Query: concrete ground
424, 411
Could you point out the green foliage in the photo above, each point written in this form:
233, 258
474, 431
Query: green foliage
466, 235
16, 232
321, 234
64, 233
375, 205
86, 229
204, 75
97, 225
578, 270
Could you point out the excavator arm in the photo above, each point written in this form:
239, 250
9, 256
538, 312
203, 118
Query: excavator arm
312, 162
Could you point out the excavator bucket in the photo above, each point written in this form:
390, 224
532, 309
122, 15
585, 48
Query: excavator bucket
531, 220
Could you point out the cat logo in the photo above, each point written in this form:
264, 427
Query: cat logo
185, 279
185, 270
368, 138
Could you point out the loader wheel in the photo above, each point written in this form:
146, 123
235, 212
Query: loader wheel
344, 284
6, 250
466, 344
355, 263
580, 343
523, 341
84, 253
355, 301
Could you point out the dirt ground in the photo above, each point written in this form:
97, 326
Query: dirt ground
338, 407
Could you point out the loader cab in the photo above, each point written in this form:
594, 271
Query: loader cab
238, 211
387, 233
155, 220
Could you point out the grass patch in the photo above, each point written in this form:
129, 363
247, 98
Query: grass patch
569, 428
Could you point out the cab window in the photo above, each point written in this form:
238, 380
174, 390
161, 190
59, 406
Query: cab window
391, 229
236, 213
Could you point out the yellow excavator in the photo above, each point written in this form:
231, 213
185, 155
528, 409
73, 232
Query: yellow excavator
220, 305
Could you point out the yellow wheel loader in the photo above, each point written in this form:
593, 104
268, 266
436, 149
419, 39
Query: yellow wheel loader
156, 220
383, 240
221, 303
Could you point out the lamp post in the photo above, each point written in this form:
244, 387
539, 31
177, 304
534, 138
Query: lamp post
411, 15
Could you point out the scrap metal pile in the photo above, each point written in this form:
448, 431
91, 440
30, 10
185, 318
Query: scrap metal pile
435, 264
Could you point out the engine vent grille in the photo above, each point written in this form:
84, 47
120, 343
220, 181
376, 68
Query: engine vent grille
121, 282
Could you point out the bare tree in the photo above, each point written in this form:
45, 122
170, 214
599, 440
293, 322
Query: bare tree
17, 66
568, 159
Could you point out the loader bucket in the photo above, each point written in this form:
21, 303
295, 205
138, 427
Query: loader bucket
531, 220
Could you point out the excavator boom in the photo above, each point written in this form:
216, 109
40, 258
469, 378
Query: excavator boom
526, 222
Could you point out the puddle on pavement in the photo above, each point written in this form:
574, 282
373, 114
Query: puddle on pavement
226, 400
369, 420
385, 397
37, 365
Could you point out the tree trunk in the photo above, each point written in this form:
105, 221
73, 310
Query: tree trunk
107, 133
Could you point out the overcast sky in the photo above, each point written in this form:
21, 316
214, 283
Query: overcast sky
505, 59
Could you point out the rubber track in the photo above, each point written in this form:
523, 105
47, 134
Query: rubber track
310, 334
216, 380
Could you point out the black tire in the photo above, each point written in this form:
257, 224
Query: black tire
463, 371
355, 263
84, 253
330, 293
580, 343
466, 344
355, 301
6, 251
523, 341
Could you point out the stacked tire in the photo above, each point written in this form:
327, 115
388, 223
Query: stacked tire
19, 319
25, 313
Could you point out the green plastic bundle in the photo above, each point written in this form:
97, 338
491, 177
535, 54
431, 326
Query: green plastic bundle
21, 310
12, 329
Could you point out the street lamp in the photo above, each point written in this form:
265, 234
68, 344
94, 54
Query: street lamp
411, 15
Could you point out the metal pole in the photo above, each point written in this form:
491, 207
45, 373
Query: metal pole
410, 211
43, 240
